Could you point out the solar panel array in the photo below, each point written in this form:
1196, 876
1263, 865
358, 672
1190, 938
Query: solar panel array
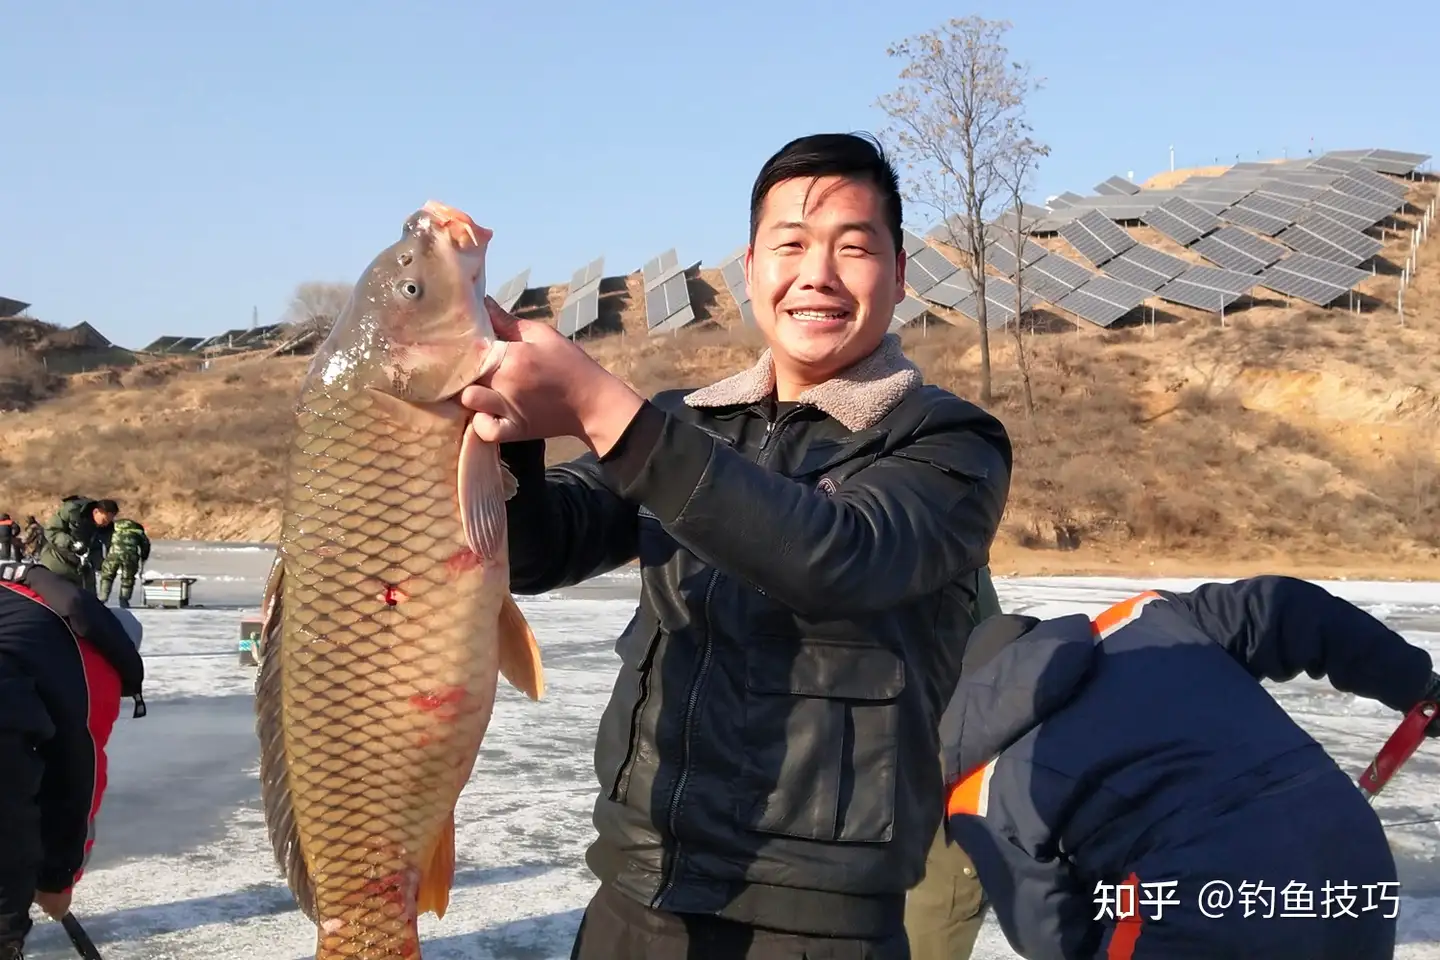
667, 294
1312, 279
1097, 238
582, 300
1104, 300
908, 311
999, 303
1146, 267
733, 272
1207, 288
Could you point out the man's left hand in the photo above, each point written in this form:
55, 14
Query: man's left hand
546, 386
55, 905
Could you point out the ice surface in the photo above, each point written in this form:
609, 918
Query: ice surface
182, 866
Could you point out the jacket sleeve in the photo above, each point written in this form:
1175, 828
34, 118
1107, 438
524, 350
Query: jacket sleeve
1044, 909
566, 524
900, 528
1278, 626
57, 534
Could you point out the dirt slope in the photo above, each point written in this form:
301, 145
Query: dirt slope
1291, 438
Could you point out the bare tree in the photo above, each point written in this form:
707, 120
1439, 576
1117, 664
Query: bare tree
315, 305
959, 107
1015, 167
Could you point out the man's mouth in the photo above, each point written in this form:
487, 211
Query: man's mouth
819, 316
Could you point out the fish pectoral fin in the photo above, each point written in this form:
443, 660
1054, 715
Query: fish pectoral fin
509, 485
417, 416
439, 875
274, 761
481, 483
519, 654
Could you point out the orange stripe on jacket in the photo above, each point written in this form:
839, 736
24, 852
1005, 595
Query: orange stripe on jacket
1122, 613
971, 793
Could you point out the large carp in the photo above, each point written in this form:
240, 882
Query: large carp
388, 614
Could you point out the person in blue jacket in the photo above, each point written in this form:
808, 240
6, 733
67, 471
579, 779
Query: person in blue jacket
1128, 790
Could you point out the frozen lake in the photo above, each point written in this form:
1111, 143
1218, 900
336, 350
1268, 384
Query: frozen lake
182, 867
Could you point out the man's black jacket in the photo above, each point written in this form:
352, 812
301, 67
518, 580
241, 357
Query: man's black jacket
769, 752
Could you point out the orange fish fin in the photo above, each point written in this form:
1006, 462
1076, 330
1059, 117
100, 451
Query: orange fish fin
519, 654
482, 488
439, 876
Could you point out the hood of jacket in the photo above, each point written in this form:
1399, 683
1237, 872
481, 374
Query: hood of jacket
1016, 672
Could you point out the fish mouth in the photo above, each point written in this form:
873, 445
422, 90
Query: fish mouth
456, 224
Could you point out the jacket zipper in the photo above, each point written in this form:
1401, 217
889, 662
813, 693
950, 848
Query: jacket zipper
772, 430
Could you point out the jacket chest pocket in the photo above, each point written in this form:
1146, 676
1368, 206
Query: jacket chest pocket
821, 735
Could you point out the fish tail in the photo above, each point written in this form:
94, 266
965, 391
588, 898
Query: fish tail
438, 877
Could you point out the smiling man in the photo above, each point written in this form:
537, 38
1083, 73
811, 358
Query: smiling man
811, 534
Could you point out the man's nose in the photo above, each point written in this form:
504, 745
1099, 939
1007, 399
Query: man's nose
817, 269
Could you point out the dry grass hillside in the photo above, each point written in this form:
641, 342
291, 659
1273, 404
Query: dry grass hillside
1290, 439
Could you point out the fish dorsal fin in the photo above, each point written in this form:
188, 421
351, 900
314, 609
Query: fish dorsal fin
519, 654
274, 763
439, 875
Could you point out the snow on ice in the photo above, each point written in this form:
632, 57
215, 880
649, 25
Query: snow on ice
182, 867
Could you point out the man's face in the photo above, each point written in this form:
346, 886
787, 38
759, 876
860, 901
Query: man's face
102, 519
824, 276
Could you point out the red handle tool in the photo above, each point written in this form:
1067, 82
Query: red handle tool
1402, 743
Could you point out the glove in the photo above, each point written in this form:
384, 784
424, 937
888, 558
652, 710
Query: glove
1432, 695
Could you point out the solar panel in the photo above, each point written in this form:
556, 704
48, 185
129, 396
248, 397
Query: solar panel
1145, 267
586, 275
512, 290
579, 314
1299, 192
926, 268
1001, 254
1330, 240
657, 271
1053, 276
1352, 211
1394, 161
1262, 223
1104, 300
1181, 220
913, 244
1206, 288
907, 311
999, 303
1370, 178
1311, 279
1117, 186
732, 271
1096, 239
1234, 249
1363, 191
951, 290
666, 299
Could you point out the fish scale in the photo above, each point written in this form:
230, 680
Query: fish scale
387, 618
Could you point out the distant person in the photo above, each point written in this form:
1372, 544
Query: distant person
129, 550
73, 540
1140, 750
32, 539
9, 539
65, 663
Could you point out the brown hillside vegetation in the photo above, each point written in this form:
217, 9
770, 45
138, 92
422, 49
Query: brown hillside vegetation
1290, 439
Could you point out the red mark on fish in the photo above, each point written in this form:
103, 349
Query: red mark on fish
393, 595
443, 702
463, 562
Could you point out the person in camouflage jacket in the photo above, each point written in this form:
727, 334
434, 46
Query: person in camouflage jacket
32, 539
129, 548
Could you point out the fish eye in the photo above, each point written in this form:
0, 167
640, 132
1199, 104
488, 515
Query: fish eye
410, 289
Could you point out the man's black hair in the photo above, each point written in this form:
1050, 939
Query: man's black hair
109, 506
851, 155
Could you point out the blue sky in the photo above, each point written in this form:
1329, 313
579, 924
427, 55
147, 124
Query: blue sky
170, 166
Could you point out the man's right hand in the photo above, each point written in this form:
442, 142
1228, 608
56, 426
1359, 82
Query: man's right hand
55, 905
1432, 695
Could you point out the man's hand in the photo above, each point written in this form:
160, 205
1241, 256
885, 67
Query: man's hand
55, 905
1432, 695
545, 386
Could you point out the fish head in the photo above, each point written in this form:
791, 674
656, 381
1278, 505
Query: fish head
416, 326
